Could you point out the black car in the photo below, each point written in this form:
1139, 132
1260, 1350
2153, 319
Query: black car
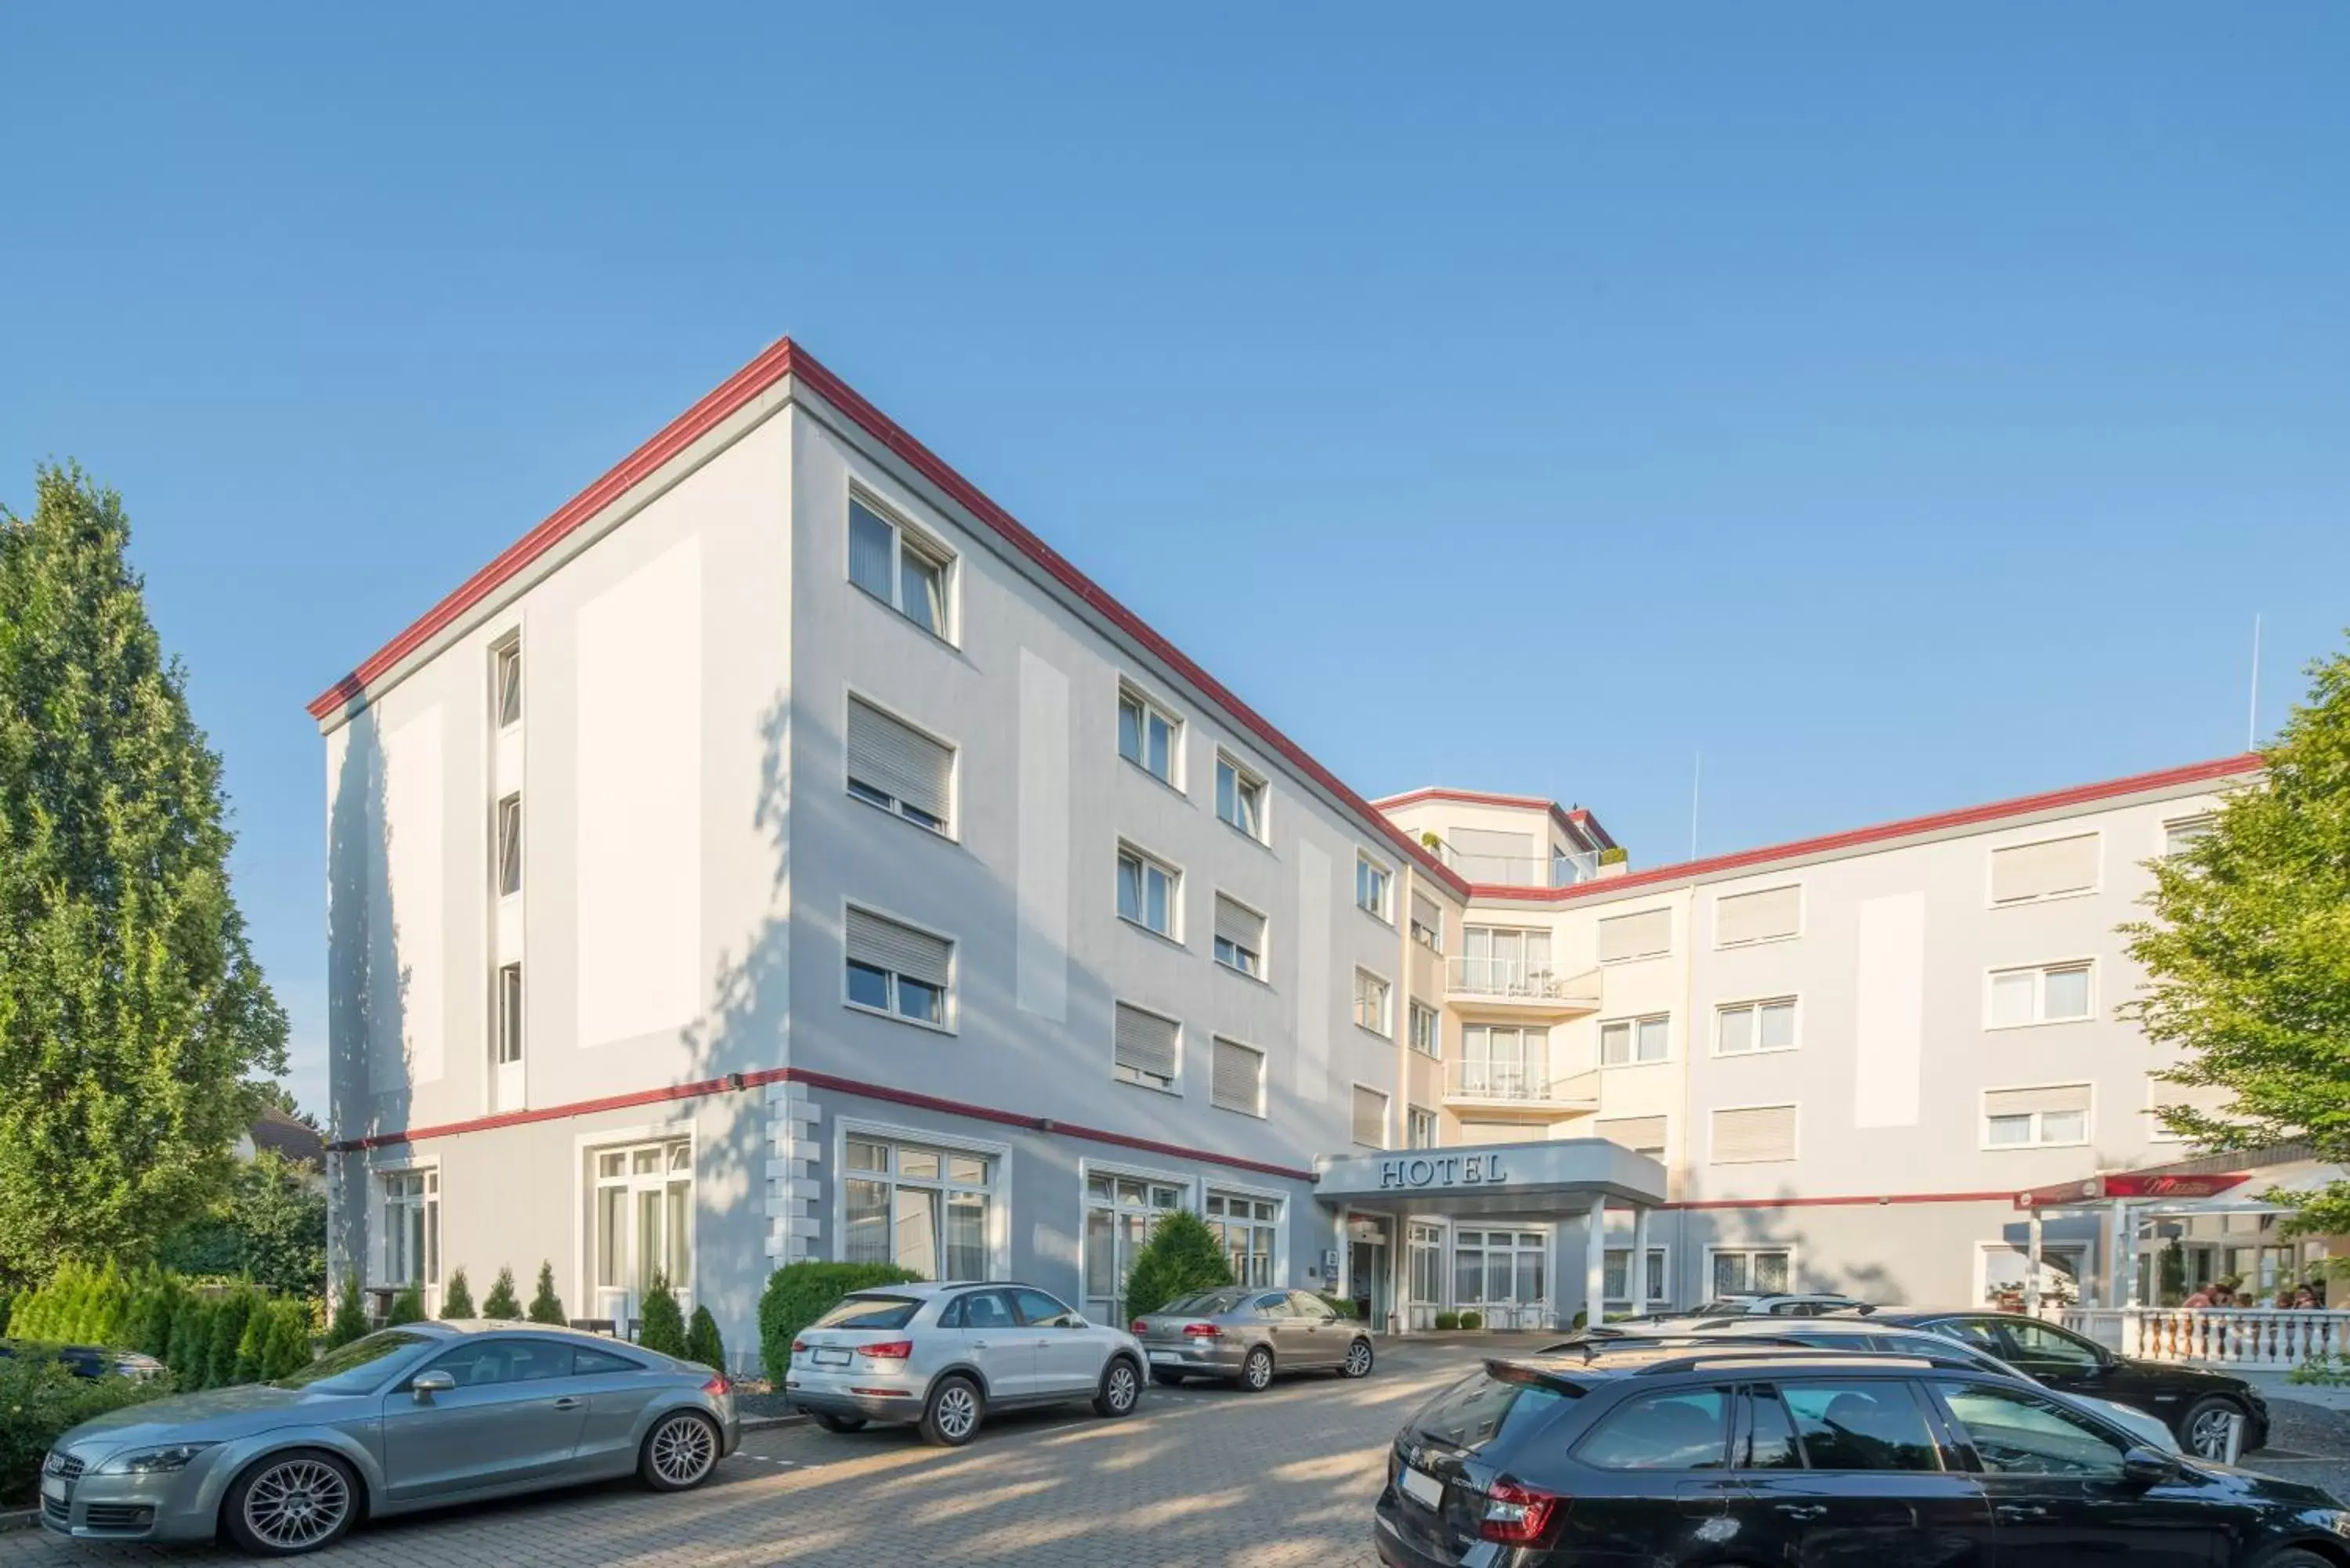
1786, 1455
2191, 1402
91, 1361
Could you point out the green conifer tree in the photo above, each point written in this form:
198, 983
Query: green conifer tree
546, 1306
501, 1303
457, 1297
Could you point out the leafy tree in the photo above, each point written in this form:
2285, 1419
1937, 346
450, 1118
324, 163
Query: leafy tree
131, 1008
702, 1340
270, 1229
457, 1296
350, 1320
2248, 955
407, 1306
501, 1302
192, 1340
546, 1306
274, 1097
227, 1335
1181, 1256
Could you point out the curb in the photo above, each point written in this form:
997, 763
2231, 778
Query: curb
766, 1423
20, 1519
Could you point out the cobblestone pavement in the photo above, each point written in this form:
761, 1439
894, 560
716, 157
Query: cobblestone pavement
1203, 1477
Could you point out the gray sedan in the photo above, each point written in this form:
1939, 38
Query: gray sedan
410, 1417
1247, 1335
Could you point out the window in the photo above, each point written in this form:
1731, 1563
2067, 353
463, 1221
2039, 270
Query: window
1750, 1271
1753, 1135
1148, 1048
925, 1208
485, 1362
904, 570
2045, 993
2045, 1350
1121, 1212
896, 767
1628, 1041
1149, 736
1427, 1247
509, 1014
1370, 1117
411, 1228
1861, 1425
2015, 1433
1371, 1004
1686, 1430
1497, 1266
1772, 915
1767, 1435
510, 845
1641, 1135
1505, 960
1426, 1037
1419, 1128
2029, 1118
1644, 935
1148, 892
2180, 835
1240, 937
644, 1223
898, 969
2051, 869
1248, 1229
1038, 1310
1616, 1286
1240, 796
1504, 1062
505, 664
2211, 1099
1427, 922
1742, 1028
1236, 1077
1373, 882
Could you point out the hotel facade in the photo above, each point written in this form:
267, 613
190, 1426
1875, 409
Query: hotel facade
782, 853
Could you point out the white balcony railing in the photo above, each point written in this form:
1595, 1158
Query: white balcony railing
1516, 980
2255, 1337
1520, 1083
1563, 870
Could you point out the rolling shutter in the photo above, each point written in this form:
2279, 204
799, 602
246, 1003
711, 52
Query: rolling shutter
1370, 1117
1236, 1076
899, 761
1643, 935
1147, 1042
1483, 842
1754, 1135
1757, 917
1633, 1132
1240, 925
2025, 1102
902, 949
1425, 915
2038, 871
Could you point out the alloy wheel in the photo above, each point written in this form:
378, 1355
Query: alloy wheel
1358, 1359
296, 1505
1122, 1386
684, 1449
958, 1413
2208, 1437
1259, 1370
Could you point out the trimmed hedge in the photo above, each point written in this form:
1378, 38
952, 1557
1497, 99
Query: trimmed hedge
42, 1400
703, 1343
1472, 1320
1446, 1322
799, 1293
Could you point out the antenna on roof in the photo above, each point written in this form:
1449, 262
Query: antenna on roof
1697, 771
2252, 723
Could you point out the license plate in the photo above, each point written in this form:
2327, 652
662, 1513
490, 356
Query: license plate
831, 1358
1422, 1488
53, 1487
1165, 1356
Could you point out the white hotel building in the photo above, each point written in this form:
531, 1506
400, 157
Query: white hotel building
781, 852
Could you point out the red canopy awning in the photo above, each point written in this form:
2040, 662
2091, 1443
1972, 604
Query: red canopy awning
2127, 1184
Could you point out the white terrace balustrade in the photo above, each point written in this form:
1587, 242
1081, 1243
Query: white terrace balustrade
1561, 870
2256, 1338
1528, 1082
1519, 979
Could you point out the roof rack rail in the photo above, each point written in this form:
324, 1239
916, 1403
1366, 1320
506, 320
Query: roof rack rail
1696, 1359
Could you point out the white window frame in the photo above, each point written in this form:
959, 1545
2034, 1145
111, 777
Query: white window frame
1384, 1029
1118, 1070
949, 1008
2039, 971
999, 1205
505, 649
1803, 915
1633, 1022
428, 1273
2207, 820
1279, 1224
1794, 999
1174, 873
1434, 940
1794, 1144
1983, 1119
950, 830
1412, 1115
585, 1294
507, 1025
498, 848
1632, 1262
1244, 778
1794, 1264
1990, 889
1265, 942
1262, 1073
902, 530
1177, 730
1415, 1010
1385, 911
1386, 1116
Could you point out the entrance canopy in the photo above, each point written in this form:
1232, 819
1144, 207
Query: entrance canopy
1530, 1181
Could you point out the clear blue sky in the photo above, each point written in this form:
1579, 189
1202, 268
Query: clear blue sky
1906, 410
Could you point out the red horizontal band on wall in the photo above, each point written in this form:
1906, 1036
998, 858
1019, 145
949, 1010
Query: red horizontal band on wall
759, 1079
1867, 1200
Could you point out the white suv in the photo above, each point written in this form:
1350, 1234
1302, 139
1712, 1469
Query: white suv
941, 1356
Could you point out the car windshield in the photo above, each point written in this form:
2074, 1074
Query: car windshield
870, 1311
1205, 1302
1485, 1406
355, 1367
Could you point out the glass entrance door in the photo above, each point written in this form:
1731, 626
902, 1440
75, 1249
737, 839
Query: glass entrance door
644, 1226
1367, 1271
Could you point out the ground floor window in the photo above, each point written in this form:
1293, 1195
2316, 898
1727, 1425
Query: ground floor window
1246, 1227
644, 1223
1498, 1268
1750, 1271
411, 1228
1121, 1213
1427, 1265
1617, 1286
922, 1209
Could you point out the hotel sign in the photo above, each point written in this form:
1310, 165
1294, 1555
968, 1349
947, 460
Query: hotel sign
1407, 1173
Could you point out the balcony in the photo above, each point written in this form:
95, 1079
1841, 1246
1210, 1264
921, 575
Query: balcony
1519, 987
1560, 870
1514, 1090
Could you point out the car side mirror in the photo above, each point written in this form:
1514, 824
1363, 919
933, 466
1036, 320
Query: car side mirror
2148, 1467
425, 1384
1076, 1322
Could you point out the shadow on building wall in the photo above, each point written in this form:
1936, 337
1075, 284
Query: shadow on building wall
366, 985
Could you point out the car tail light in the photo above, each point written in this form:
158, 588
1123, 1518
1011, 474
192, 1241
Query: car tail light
888, 1350
718, 1387
1135, 1327
1518, 1515
798, 1345
1203, 1331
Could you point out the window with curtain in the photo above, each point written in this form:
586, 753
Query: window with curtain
1742, 1028
411, 1228
1248, 1230
2026, 1118
1373, 882
1505, 1062
1628, 1041
1371, 1003
1504, 961
1149, 736
905, 570
2040, 994
1148, 891
925, 1208
1240, 796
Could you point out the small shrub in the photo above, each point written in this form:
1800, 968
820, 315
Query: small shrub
1472, 1320
501, 1303
2326, 1371
350, 1319
664, 1326
702, 1342
1338, 1304
1614, 854
1181, 1256
799, 1293
1447, 1321
457, 1300
42, 1399
407, 1306
546, 1306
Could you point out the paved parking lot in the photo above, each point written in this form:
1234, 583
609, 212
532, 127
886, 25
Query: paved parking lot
1201, 1475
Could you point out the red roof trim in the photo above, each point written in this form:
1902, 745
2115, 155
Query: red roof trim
1965, 816
786, 358
814, 1080
1870, 1199
1578, 822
